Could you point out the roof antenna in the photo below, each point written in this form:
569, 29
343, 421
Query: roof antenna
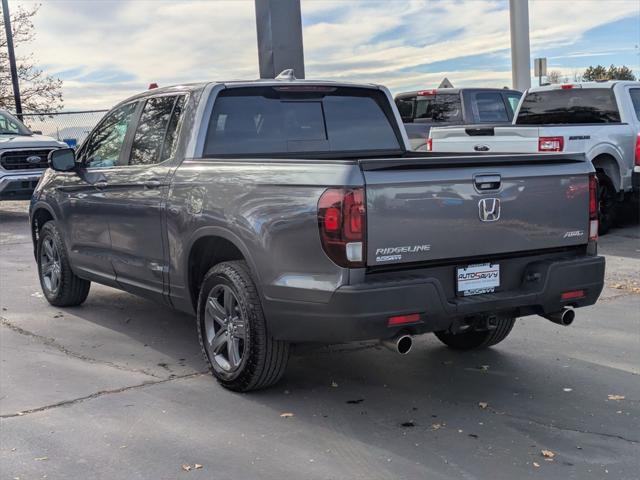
286, 75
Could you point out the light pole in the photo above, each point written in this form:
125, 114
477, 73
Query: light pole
520, 50
12, 58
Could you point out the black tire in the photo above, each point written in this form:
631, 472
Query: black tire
607, 203
68, 290
478, 339
230, 317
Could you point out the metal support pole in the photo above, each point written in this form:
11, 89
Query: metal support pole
520, 50
279, 25
12, 58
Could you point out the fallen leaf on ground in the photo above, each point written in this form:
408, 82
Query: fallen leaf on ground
567, 389
197, 466
286, 415
547, 453
484, 368
334, 384
483, 404
436, 426
536, 464
39, 459
186, 467
615, 397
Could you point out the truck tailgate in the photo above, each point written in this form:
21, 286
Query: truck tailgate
437, 208
508, 138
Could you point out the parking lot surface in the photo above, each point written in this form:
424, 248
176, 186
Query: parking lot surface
117, 389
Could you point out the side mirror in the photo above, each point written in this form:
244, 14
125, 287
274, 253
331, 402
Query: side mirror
62, 160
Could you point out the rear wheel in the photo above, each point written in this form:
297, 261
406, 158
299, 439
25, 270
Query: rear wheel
478, 339
607, 203
61, 287
232, 331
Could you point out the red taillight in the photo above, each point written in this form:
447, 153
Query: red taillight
341, 218
638, 150
567, 86
550, 144
593, 207
429, 144
402, 319
424, 93
572, 295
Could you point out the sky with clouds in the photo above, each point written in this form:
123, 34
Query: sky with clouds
106, 50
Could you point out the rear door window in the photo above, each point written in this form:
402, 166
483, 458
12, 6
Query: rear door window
635, 99
157, 125
439, 108
569, 106
289, 120
489, 107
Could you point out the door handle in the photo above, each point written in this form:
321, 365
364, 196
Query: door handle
100, 185
152, 183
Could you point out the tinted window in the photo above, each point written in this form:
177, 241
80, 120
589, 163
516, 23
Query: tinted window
405, 107
635, 98
512, 100
489, 107
171, 139
150, 134
571, 106
104, 147
439, 108
265, 120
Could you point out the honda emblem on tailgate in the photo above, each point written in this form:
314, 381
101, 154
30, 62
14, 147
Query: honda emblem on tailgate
489, 209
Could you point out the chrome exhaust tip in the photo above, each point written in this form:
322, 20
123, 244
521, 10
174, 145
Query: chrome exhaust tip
401, 344
564, 317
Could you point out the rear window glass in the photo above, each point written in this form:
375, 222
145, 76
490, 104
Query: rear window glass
266, 120
571, 106
489, 107
439, 108
635, 98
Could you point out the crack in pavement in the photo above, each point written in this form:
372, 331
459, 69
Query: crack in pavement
51, 342
66, 403
567, 429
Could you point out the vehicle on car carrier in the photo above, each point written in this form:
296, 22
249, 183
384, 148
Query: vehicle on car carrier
600, 119
287, 211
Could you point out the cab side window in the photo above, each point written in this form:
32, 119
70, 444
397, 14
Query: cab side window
156, 134
105, 145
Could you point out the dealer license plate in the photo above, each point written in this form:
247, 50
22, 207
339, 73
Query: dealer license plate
477, 279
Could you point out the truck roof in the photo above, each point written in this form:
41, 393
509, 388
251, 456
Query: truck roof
454, 91
191, 87
597, 84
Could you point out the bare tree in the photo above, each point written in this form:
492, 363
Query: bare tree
555, 76
39, 92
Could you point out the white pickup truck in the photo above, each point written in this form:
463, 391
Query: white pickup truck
601, 119
23, 157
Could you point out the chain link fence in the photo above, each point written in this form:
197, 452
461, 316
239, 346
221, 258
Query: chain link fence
69, 127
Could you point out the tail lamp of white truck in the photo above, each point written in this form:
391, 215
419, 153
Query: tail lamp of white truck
593, 207
341, 219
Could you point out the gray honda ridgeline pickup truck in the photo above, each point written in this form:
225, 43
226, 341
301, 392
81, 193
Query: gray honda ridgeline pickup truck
288, 211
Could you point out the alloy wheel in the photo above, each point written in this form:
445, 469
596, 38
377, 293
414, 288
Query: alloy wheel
225, 328
51, 267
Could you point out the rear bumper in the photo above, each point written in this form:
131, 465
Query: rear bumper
19, 185
361, 312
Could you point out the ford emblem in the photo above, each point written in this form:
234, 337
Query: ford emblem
34, 159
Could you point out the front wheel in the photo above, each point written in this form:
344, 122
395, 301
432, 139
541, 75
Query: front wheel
474, 339
233, 333
61, 287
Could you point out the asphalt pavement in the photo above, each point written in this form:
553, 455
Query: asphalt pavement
117, 389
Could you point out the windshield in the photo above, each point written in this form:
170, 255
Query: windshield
10, 125
570, 106
297, 120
